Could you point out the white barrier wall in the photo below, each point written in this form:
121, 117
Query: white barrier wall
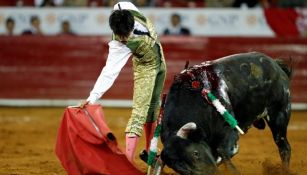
94, 21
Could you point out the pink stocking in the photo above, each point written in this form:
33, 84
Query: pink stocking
131, 143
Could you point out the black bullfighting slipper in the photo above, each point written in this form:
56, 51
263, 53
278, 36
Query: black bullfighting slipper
144, 156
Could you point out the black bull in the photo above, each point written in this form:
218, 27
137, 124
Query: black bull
253, 87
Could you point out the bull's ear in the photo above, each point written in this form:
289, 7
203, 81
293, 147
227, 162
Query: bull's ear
184, 131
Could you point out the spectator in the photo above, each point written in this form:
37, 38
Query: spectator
176, 28
35, 27
19, 3
66, 29
10, 25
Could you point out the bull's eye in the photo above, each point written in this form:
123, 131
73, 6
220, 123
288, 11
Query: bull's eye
196, 154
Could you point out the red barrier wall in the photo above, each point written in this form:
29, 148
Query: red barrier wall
33, 67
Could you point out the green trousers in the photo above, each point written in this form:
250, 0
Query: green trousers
149, 77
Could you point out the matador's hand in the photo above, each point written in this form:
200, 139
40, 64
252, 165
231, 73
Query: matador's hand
83, 103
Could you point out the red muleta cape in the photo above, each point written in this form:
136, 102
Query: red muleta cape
85, 145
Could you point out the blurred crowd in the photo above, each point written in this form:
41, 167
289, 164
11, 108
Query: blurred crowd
158, 3
174, 27
35, 27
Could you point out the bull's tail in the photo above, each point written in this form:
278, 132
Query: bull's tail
286, 67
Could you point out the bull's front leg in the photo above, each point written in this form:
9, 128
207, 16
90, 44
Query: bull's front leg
226, 159
228, 148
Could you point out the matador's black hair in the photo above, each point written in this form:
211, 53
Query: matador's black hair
121, 22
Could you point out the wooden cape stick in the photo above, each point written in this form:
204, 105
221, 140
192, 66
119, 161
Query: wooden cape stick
154, 141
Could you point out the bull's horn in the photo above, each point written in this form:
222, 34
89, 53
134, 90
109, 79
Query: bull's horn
185, 129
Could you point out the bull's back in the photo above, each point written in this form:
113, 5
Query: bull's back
250, 71
249, 67
254, 81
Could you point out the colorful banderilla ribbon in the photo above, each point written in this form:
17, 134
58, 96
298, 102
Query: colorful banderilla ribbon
153, 149
223, 111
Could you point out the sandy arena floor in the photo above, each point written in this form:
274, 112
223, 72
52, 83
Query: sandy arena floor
27, 140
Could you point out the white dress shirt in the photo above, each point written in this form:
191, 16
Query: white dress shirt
117, 58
